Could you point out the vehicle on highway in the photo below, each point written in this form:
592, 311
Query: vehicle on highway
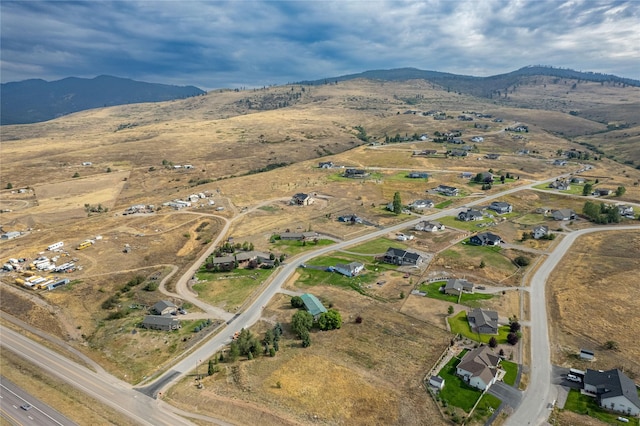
26, 407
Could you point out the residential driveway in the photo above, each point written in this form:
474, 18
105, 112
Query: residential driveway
507, 394
559, 377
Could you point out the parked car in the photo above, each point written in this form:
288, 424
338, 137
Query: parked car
573, 378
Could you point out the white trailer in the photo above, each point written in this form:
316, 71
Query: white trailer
56, 246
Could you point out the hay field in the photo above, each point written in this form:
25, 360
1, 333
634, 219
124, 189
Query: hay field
592, 299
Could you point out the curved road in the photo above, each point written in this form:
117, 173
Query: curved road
540, 392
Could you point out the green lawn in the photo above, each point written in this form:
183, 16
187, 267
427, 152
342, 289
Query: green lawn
472, 225
293, 247
460, 324
485, 408
229, 289
433, 291
583, 404
377, 246
337, 177
444, 204
402, 177
531, 219
512, 372
456, 392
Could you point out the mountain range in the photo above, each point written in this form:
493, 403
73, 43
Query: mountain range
35, 100
32, 101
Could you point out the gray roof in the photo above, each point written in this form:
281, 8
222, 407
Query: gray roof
162, 305
458, 284
480, 318
612, 383
480, 362
160, 320
486, 237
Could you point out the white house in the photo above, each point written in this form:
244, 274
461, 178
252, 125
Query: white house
614, 391
479, 368
350, 269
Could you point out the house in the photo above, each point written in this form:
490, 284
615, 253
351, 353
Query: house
540, 231
355, 173
421, 204
485, 239
602, 192
626, 211
166, 322
578, 180
500, 207
564, 214
401, 257
478, 367
560, 185
425, 152
484, 177
163, 307
492, 156
298, 236
418, 175
301, 199
326, 164
223, 262
447, 190
313, 305
429, 226
587, 354
350, 269
469, 215
483, 321
524, 152
437, 382
613, 390
350, 218
477, 139
15, 234
457, 286
457, 153
559, 162
466, 175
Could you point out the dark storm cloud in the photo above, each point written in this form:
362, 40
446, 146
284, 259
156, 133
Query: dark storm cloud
224, 44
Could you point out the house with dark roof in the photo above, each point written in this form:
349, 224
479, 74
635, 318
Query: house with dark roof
401, 257
350, 218
466, 175
301, 199
479, 367
470, 215
350, 269
578, 179
492, 156
613, 390
163, 307
165, 322
485, 239
559, 162
456, 286
602, 192
500, 207
564, 214
540, 231
313, 305
483, 321
560, 185
356, 173
418, 175
326, 164
447, 190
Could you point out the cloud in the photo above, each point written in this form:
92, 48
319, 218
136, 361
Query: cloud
255, 43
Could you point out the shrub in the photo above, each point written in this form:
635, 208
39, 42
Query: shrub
512, 338
522, 261
358, 319
296, 302
493, 342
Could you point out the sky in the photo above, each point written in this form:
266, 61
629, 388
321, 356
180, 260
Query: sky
229, 44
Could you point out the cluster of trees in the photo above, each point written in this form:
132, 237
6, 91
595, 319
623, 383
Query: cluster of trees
397, 203
114, 300
398, 138
514, 331
246, 344
90, 208
302, 321
362, 134
601, 213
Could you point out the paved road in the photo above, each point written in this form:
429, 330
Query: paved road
507, 394
541, 392
253, 312
104, 388
12, 398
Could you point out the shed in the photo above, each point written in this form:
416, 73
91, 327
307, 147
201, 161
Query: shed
313, 305
163, 307
436, 382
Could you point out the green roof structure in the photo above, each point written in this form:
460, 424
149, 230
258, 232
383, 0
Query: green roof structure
313, 305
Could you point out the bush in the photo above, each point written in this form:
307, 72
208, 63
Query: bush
493, 342
358, 319
151, 286
296, 302
522, 261
512, 338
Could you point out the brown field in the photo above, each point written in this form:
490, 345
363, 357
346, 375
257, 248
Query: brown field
377, 366
586, 311
227, 142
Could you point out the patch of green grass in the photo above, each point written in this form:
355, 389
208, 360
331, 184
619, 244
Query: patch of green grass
511, 369
456, 392
403, 177
270, 209
377, 246
293, 247
586, 405
433, 291
487, 405
543, 186
444, 204
460, 325
472, 225
229, 289
531, 219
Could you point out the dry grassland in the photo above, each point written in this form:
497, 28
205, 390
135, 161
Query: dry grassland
367, 373
592, 300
